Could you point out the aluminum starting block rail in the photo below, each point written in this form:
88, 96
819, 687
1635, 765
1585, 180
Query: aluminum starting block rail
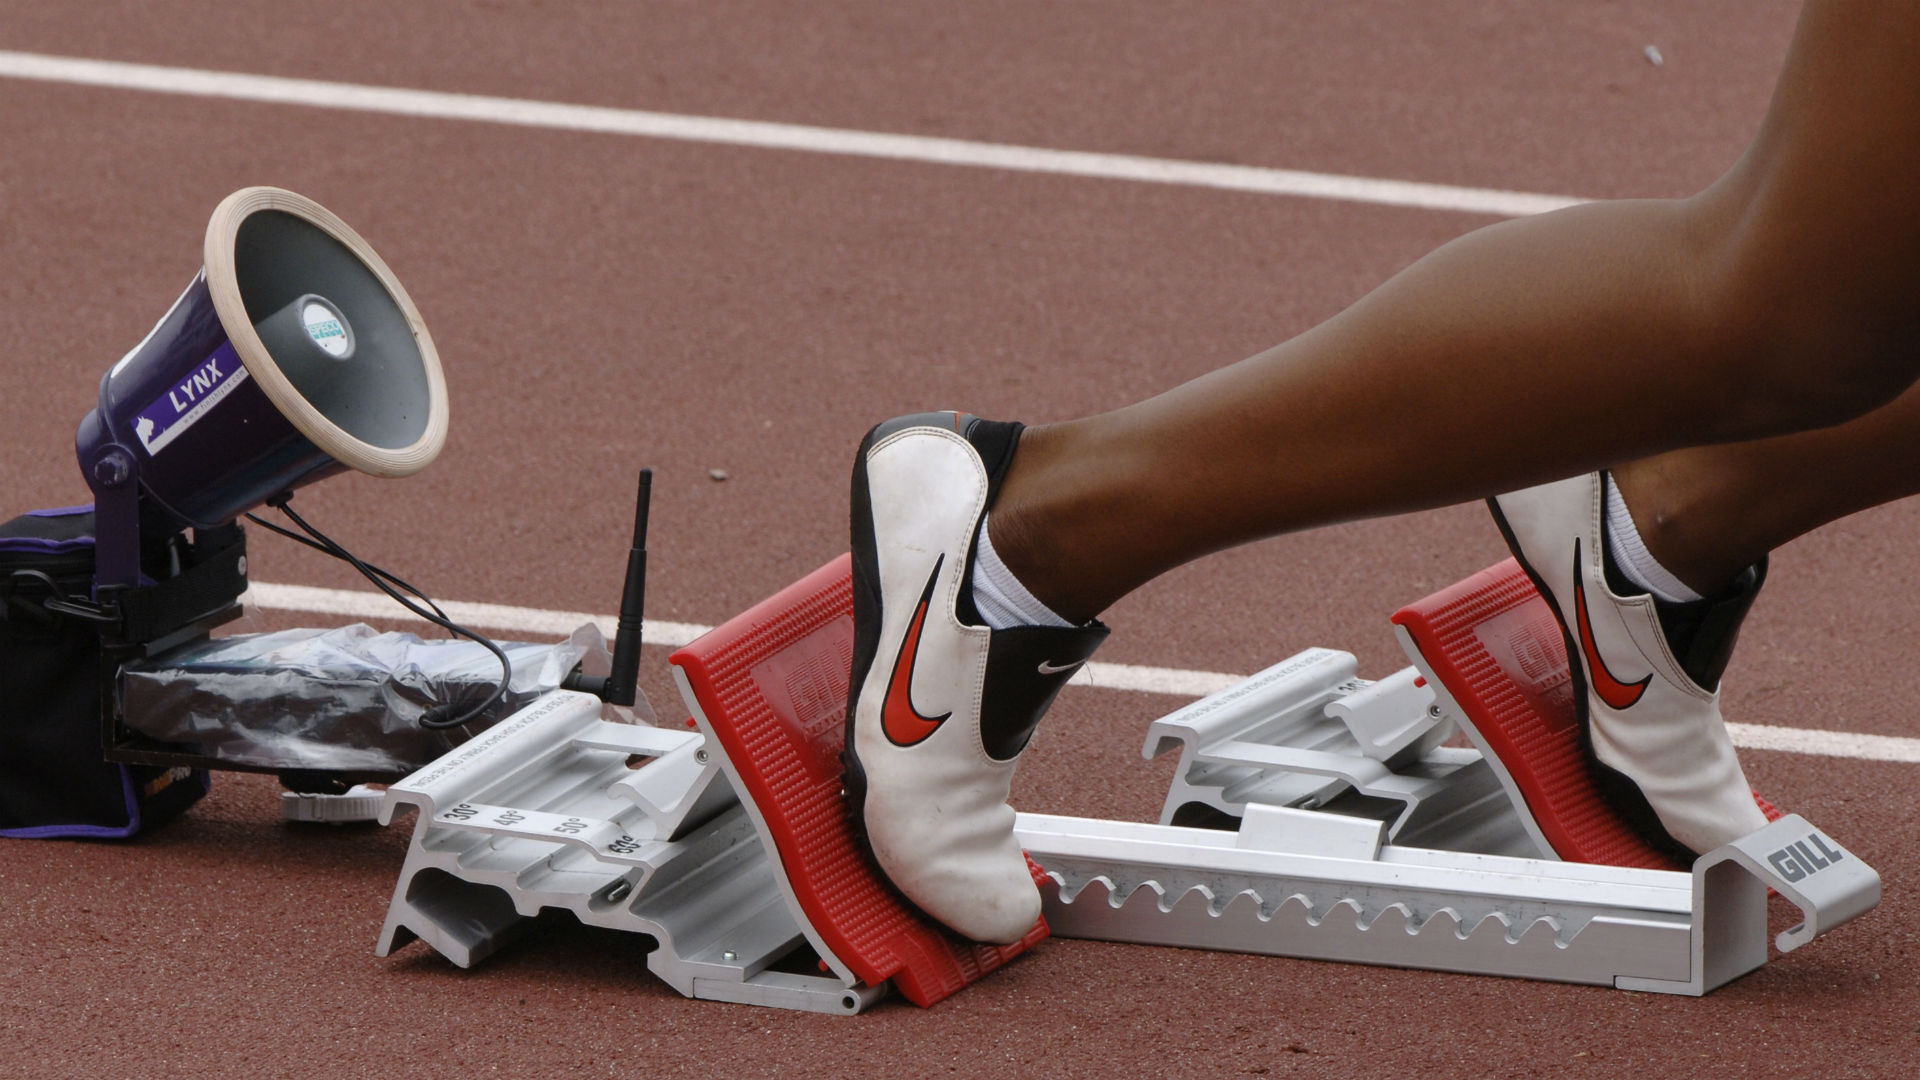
1353, 830
1362, 838
1286, 885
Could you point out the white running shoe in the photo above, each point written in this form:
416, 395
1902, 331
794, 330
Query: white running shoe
1649, 713
940, 706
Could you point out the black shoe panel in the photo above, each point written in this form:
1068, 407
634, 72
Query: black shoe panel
1702, 634
1026, 667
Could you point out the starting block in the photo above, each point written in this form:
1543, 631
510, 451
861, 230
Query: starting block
1313, 814
1361, 837
730, 846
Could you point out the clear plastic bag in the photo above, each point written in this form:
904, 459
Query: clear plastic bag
347, 699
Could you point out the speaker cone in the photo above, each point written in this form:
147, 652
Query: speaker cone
295, 353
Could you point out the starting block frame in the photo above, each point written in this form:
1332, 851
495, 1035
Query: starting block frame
1362, 835
1281, 888
545, 810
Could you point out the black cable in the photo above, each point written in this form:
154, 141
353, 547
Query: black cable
57, 601
317, 546
437, 617
43, 578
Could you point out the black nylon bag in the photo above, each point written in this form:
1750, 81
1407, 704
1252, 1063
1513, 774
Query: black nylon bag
53, 779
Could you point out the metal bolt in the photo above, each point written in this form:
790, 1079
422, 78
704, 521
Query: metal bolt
1434, 711
618, 891
730, 956
240, 566
112, 470
700, 756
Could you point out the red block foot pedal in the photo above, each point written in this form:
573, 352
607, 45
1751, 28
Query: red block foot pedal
1493, 644
770, 687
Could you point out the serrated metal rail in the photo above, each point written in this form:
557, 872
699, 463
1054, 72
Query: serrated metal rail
1284, 887
1361, 837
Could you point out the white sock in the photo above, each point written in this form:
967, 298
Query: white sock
1630, 554
1004, 602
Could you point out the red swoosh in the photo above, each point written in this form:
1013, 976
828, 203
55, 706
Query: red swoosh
904, 724
1616, 694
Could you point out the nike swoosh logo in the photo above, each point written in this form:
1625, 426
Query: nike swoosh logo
905, 725
1617, 694
1048, 667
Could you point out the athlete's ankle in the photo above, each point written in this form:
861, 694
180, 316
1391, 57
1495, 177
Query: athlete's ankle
1028, 542
1022, 548
1700, 628
1673, 527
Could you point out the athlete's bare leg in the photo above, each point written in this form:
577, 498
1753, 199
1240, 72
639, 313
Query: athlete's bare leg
1709, 512
1784, 298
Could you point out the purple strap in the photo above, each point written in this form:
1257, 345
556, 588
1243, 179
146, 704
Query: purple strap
64, 511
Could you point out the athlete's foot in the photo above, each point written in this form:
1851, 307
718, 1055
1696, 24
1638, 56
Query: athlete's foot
940, 705
1647, 672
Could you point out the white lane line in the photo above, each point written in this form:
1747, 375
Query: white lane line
1842, 744
524, 620
273, 89
1176, 682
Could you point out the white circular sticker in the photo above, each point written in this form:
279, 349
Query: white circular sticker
326, 328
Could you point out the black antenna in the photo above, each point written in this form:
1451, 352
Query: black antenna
620, 685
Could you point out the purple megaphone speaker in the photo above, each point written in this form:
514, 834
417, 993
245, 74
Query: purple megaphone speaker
294, 354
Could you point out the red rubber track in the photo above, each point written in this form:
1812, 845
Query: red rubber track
607, 302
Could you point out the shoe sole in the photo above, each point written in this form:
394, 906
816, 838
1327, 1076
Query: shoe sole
866, 635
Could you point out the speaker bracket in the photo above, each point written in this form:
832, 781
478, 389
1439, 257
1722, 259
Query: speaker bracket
145, 620
115, 479
153, 618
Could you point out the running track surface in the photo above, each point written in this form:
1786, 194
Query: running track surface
607, 301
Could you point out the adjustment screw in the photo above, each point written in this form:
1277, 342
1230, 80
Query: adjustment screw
112, 470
